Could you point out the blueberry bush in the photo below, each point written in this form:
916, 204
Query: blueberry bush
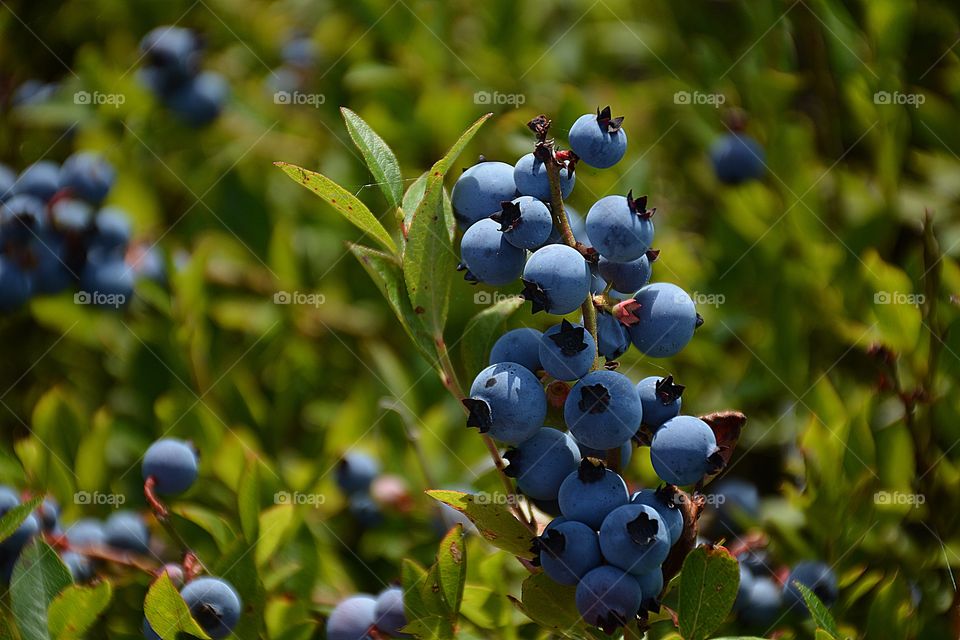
611, 319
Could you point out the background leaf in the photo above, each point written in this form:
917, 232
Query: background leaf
38, 577
452, 567
495, 522
379, 156
12, 519
77, 607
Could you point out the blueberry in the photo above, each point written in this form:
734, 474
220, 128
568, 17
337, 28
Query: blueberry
738, 504
88, 175
663, 503
15, 285
126, 530
667, 320
365, 510
634, 538
506, 401
173, 53
148, 631
352, 618
51, 271
651, 584
556, 279
608, 598
299, 52
479, 191
108, 280
591, 492
7, 178
541, 463
762, 605
88, 532
33, 92
200, 100
71, 216
602, 410
567, 351
577, 225
22, 217
521, 346
175, 572
530, 176
13, 544
736, 158
487, 255
817, 577
743, 590
355, 471
8, 499
111, 230
526, 222
214, 604
626, 452
613, 340
620, 228
660, 398
79, 566
683, 450
389, 615
598, 140
172, 464
625, 277
568, 551
146, 261
549, 507
40, 180
48, 514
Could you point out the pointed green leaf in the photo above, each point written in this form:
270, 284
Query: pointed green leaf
343, 201
38, 577
452, 567
428, 614
818, 610
248, 501
495, 522
413, 197
708, 586
75, 610
379, 157
12, 519
167, 613
429, 259
478, 336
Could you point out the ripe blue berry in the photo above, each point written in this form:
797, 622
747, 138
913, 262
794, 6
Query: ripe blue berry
599, 140
87, 532
126, 530
15, 285
651, 584
172, 464
817, 577
613, 340
200, 100
71, 216
634, 538
487, 255
736, 158
40, 180
506, 401
110, 279
626, 452
352, 618
762, 604
79, 566
479, 191
365, 510
48, 514
738, 504
626, 277
51, 272
526, 222
660, 398
389, 614
568, 551
88, 175
214, 604
148, 632
10, 548
683, 450
567, 351
667, 320
530, 176
743, 589
608, 598
541, 463
602, 410
620, 228
556, 279
355, 471
22, 217
111, 230
663, 503
521, 346
173, 53
7, 178
591, 492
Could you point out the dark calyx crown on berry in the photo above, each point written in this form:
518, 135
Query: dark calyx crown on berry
513, 457
509, 216
606, 122
639, 206
591, 470
469, 277
569, 339
668, 391
715, 462
594, 398
535, 294
667, 494
479, 414
610, 623
643, 529
553, 542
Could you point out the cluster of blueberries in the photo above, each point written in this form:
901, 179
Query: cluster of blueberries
361, 616
611, 545
54, 235
172, 72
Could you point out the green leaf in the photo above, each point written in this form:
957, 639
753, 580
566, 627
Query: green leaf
452, 567
890, 615
478, 336
38, 577
248, 502
75, 610
380, 159
708, 586
275, 523
167, 613
341, 200
413, 197
818, 610
495, 522
12, 519
388, 276
551, 604
429, 259
424, 604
